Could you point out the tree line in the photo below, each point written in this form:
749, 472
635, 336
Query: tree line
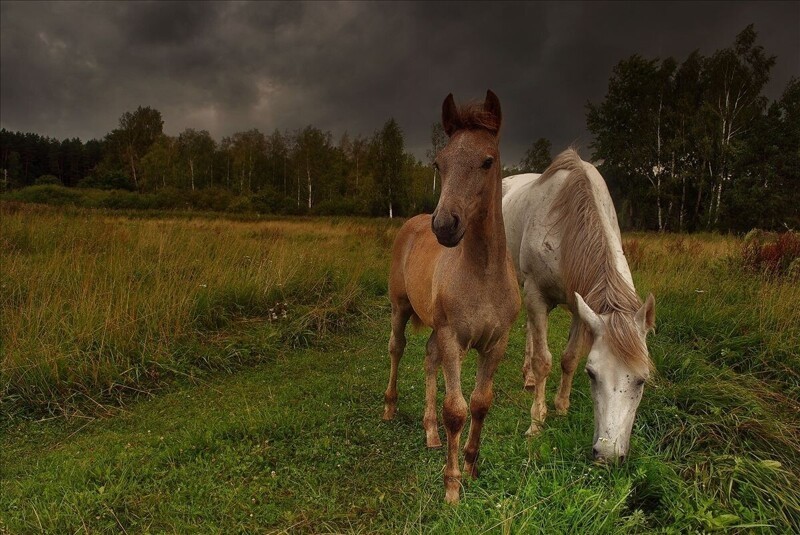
683, 146
287, 172
696, 145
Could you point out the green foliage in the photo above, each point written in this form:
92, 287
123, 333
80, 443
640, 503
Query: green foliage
47, 180
269, 201
47, 194
537, 158
126, 146
25, 156
689, 146
103, 178
387, 152
196, 153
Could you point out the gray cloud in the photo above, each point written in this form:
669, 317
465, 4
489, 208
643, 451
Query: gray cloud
71, 69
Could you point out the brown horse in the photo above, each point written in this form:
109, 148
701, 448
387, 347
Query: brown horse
459, 280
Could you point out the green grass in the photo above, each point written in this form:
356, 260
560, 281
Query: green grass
279, 429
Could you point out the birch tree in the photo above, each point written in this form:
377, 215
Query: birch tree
387, 156
196, 149
631, 124
735, 77
137, 131
438, 142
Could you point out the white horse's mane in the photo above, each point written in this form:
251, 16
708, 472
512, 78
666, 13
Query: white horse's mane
588, 264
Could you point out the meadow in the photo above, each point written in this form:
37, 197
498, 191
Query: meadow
165, 372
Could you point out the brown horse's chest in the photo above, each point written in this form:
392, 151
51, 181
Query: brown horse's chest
484, 310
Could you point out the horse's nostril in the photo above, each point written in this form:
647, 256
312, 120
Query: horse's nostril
622, 458
596, 452
455, 221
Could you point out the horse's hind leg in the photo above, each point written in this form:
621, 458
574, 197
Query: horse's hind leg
575, 349
429, 420
481, 401
538, 360
401, 311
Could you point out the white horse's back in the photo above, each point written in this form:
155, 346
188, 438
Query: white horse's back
513, 182
527, 204
532, 241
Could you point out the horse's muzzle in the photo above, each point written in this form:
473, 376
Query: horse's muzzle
447, 228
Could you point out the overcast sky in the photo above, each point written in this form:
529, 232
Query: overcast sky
71, 69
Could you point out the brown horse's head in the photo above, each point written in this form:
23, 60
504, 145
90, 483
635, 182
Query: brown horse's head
469, 166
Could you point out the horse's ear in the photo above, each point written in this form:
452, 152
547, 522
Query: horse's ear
492, 106
450, 120
646, 316
588, 316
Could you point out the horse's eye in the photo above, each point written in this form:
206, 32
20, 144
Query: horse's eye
487, 163
591, 374
639, 383
436, 166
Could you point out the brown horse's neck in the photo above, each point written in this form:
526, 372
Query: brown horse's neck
485, 241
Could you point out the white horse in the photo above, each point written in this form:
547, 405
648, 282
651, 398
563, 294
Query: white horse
563, 236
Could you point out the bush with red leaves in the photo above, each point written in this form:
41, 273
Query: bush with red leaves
771, 253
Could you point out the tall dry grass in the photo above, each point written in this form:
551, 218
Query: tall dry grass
95, 304
710, 293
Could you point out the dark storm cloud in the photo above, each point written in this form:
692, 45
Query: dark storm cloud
71, 69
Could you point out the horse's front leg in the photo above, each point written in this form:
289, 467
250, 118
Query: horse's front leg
481, 401
429, 421
538, 360
576, 347
454, 411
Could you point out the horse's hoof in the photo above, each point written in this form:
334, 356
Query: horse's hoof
451, 496
533, 430
562, 411
471, 469
529, 385
433, 441
388, 413
528, 379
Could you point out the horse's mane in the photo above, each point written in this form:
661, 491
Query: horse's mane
473, 116
587, 261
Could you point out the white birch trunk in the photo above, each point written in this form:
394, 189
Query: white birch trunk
308, 174
133, 167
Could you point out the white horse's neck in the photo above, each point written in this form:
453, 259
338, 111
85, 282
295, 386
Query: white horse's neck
610, 225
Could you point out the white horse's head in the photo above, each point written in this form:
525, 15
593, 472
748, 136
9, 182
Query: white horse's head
617, 382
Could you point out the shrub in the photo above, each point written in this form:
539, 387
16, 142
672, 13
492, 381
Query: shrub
770, 253
47, 180
47, 194
269, 201
170, 199
107, 179
213, 199
240, 205
339, 207
121, 199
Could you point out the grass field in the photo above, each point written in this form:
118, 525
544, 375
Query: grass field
166, 373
